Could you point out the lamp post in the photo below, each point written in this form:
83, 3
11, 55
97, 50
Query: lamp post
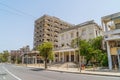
78, 50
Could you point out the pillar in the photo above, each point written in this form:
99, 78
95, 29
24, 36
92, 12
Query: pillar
35, 60
23, 60
74, 56
69, 56
54, 58
59, 59
63, 60
109, 56
118, 61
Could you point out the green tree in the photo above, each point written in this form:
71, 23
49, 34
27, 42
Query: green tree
4, 56
86, 50
1, 57
99, 55
92, 50
46, 52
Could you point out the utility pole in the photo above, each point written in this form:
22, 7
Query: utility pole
27, 59
16, 58
78, 50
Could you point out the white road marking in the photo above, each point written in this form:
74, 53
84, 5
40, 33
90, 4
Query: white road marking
12, 74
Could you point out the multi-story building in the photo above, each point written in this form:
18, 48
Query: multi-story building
111, 24
86, 31
47, 29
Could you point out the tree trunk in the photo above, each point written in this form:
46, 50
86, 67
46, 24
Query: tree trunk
45, 63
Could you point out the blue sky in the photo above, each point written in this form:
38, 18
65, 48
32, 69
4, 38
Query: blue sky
17, 16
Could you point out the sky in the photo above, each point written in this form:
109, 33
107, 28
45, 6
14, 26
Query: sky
17, 17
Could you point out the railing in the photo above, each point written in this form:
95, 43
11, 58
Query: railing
112, 37
116, 31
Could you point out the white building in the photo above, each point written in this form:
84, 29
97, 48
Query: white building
111, 24
87, 30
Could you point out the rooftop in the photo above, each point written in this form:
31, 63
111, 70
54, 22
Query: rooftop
46, 15
80, 25
110, 17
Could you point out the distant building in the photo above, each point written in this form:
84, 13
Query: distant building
47, 29
15, 54
86, 31
111, 24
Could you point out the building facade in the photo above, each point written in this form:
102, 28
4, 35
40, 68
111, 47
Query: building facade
86, 31
111, 24
47, 29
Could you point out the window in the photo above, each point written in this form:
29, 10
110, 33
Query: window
83, 32
96, 33
117, 26
72, 35
62, 45
77, 33
62, 37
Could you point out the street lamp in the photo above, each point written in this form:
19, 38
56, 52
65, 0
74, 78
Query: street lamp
78, 51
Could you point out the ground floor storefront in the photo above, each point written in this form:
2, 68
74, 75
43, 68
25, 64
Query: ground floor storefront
113, 50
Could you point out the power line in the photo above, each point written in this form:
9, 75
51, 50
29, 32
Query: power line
9, 12
16, 10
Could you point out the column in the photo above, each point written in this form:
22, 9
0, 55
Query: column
74, 56
59, 57
118, 61
54, 58
35, 60
23, 60
63, 60
69, 56
109, 56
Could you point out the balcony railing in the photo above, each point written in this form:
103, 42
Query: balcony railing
116, 31
112, 37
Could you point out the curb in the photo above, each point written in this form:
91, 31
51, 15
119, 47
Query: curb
78, 72
84, 73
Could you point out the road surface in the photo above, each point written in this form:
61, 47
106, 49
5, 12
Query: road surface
12, 72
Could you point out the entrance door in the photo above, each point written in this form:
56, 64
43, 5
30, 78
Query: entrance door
67, 58
72, 58
115, 61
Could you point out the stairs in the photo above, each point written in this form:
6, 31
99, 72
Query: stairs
64, 65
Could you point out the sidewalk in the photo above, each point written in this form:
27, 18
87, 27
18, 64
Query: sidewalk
76, 71
89, 72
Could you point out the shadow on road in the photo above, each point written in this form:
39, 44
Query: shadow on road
37, 69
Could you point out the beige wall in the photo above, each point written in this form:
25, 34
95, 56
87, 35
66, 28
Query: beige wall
85, 32
47, 29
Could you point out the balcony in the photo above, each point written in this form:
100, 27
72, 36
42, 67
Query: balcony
111, 32
112, 37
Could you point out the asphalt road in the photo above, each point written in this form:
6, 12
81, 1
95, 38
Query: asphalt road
12, 72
